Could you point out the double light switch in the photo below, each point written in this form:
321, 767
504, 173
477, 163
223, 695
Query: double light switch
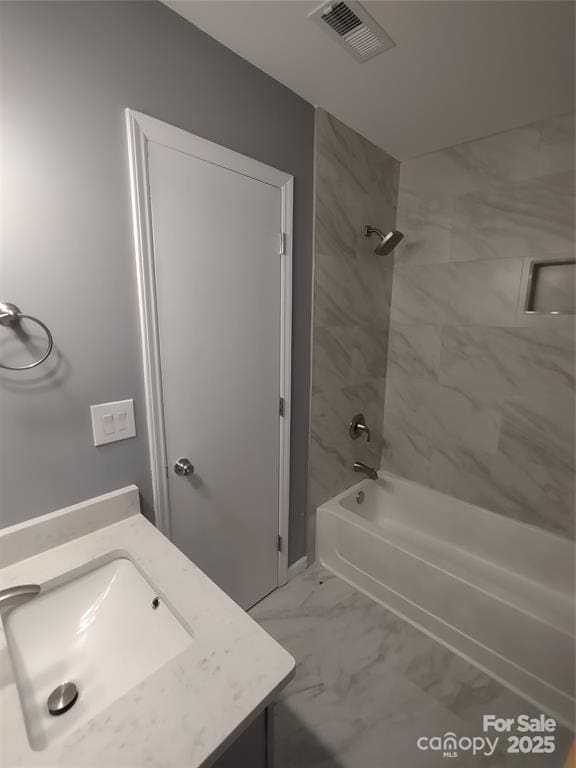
113, 421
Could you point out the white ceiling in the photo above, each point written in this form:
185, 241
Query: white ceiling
460, 69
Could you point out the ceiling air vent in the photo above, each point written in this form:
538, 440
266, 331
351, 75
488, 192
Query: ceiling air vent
353, 27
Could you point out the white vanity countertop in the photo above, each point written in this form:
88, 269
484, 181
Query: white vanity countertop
186, 713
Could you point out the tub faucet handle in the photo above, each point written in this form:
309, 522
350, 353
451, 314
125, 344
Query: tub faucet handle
358, 427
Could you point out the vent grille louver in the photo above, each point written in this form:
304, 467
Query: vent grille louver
341, 18
353, 28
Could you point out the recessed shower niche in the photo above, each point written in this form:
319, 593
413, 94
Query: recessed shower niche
550, 287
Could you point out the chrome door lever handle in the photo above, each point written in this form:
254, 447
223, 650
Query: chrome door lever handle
184, 467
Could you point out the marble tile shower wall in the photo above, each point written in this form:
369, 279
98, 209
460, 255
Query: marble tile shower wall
479, 395
356, 184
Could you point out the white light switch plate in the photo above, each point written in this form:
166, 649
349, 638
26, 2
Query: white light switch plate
113, 421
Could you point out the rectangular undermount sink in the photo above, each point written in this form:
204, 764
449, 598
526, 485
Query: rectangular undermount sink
104, 631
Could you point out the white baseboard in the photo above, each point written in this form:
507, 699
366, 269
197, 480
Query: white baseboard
298, 567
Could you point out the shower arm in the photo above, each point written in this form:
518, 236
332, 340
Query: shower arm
368, 230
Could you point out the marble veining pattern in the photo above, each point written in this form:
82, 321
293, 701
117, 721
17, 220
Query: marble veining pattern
356, 184
429, 222
186, 711
446, 414
513, 361
479, 395
531, 218
368, 684
475, 293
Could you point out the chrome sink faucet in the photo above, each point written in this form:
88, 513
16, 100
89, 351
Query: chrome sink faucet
15, 596
364, 469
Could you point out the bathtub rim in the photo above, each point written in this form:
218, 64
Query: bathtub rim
565, 590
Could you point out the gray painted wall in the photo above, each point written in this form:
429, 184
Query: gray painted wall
68, 70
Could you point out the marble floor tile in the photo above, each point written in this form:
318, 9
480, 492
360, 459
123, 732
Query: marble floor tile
452, 681
368, 684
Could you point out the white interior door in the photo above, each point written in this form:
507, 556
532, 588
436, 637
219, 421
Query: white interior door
219, 305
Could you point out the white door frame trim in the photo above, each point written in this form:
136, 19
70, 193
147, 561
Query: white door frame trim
142, 129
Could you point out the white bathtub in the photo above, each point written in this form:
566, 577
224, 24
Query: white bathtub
496, 591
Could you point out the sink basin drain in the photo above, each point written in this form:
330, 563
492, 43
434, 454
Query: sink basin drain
62, 698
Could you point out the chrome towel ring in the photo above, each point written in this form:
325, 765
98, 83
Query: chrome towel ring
10, 315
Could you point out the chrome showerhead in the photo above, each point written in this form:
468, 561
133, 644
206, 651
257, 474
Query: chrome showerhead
388, 240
